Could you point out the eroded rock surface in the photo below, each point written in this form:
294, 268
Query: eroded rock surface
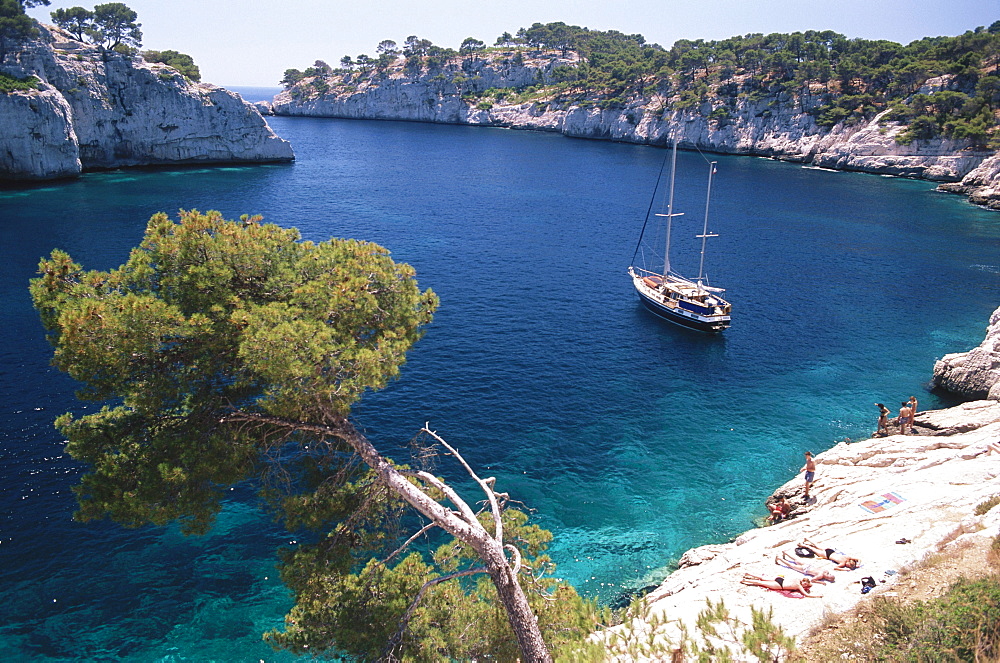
95, 109
976, 373
773, 127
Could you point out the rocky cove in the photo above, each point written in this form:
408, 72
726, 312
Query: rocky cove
892, 502
778, 126
95, 109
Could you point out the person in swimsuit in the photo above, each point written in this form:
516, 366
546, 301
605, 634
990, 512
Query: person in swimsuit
904, 418
780, 584
913, 411
810, 470
883, 420
779, 510
842, 561
795, 564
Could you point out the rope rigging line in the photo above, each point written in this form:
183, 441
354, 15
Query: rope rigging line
652, 200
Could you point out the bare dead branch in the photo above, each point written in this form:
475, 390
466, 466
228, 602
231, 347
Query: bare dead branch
487, 487
463, 508
516, 566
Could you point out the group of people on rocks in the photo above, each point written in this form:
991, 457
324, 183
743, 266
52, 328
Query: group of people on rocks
811, 572
781, 508
907, 412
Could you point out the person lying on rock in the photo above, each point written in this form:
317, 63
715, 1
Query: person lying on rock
780, 584
842, 561
795, 564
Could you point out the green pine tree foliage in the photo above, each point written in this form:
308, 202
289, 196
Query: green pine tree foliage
460, 618
209, 317
225, 352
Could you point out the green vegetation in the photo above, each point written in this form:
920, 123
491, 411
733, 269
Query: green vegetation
10, 84
718, 636
112, 25
232, 352
179, 61
961, 625
15, 25
834, 78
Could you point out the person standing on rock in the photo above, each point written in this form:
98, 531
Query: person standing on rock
913, 411
810, 469
883, 420
904, 418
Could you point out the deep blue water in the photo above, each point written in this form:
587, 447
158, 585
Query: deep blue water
634, 439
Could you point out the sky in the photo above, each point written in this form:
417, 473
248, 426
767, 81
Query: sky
251, 42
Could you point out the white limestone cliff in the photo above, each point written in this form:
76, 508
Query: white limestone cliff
777, 126
976, 373
867, 497
890, 502
98, 110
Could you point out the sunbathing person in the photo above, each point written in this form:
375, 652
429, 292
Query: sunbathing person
795, 564
780, 584
842, 561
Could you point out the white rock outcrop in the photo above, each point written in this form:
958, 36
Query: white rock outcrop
976, 373
868, 496
889, 502
776, 126
95, 109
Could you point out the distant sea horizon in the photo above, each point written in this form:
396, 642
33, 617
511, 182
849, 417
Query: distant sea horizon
253, 94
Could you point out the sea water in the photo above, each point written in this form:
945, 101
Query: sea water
630, 438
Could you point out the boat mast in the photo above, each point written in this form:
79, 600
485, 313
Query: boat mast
704, 233
670, 212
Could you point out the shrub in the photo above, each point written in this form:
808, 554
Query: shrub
986, 505
10, 84
961, 625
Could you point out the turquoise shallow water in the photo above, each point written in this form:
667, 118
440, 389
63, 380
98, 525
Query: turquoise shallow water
633, 439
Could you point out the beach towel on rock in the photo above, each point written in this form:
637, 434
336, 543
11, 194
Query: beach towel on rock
882, 502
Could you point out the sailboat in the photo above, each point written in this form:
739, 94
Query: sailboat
690, 303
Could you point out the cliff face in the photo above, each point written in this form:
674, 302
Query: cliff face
779, 126
976, 373
103, 111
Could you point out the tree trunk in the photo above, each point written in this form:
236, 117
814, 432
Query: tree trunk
522, 620
461, 524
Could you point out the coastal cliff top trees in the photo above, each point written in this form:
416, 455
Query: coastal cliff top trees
227, 352
180, 61
111, 25
74, 20
15, 25
826, 74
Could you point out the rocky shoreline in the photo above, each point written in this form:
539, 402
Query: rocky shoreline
95, 109
890, 502
777, 127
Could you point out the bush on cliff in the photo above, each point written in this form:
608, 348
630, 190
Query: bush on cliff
10, 84
180, 61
